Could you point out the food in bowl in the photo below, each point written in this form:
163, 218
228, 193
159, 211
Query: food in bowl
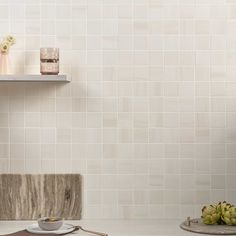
50, 223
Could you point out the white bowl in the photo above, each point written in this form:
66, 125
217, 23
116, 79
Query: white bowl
50, 223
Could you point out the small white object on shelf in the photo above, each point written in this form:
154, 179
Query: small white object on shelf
35, 78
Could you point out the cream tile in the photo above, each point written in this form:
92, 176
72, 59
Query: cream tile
148, 118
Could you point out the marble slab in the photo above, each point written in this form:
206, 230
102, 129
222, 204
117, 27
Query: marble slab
28, 197
197, 226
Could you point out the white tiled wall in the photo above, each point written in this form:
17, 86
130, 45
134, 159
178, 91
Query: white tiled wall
149, 119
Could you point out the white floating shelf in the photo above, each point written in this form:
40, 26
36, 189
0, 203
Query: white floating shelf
35, 78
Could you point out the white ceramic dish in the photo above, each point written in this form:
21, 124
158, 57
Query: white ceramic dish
34, 228
50, 223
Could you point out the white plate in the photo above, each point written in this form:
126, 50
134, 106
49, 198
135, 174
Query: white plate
34, 228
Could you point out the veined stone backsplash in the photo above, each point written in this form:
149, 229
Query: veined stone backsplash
149, 117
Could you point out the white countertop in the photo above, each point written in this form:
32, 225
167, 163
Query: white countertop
113, 227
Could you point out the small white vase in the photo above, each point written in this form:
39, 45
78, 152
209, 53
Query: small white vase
5, 66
